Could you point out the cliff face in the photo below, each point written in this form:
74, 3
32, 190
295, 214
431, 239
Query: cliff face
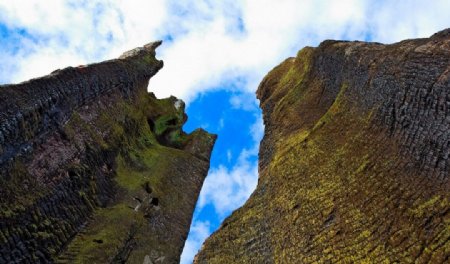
96, 170
354, 164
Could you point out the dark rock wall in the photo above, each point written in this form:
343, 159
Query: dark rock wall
96, 170
33, 108
354, 163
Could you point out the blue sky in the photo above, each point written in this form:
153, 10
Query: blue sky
233, 174
215, 54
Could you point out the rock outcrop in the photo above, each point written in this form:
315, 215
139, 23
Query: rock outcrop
354, 164
94, 169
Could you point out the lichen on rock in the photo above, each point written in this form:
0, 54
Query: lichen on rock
354, 164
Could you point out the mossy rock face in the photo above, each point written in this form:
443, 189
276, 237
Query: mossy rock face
354, 163
104, 172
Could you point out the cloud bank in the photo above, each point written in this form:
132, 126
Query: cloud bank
208, 43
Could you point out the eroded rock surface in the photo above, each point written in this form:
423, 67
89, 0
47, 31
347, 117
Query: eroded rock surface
354, 164
94, 169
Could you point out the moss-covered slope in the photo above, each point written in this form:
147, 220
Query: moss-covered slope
96, 170
354, 164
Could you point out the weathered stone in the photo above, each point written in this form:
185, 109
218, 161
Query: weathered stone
354, 162
76, 146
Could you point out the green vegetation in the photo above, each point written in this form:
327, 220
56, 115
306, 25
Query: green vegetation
18, 192
105, 234
292, 81
143, 135
334, 109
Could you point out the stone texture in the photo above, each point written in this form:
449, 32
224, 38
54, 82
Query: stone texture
354, 164
94, 169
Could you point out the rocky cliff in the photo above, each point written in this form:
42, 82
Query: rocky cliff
354, 164
94, 169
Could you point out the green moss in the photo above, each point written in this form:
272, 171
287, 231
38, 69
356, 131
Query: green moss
337, 106
44, 235
145, 62
363, 166
100, 241
78, 125
157, 160
436, 202
177, 138
165, 122
333, 192
19, 191
134, 133
111, 225
293, 79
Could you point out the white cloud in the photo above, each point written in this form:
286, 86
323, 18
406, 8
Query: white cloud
198, 233
257, 130
60, 33
229, 155
214, 42
245, 101
226, 189
221, 124
396, 20
208, 54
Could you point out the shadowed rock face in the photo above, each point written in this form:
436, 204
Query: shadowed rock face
354, 164
93, 169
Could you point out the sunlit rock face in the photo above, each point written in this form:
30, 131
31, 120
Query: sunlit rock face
94, 169
354, 164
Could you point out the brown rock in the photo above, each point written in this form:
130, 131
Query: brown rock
354, 164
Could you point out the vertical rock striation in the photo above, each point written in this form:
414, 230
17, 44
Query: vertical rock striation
94, 169
354, 164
